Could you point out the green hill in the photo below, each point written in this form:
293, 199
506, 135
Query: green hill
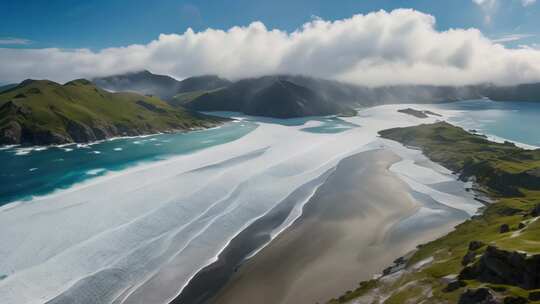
39, 112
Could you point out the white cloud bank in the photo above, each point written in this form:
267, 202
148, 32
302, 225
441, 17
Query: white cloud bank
379, 48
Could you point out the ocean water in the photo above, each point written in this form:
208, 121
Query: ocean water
514, 121
26, 172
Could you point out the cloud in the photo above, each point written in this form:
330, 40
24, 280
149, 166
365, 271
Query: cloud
379, 48
528, 2
511, 38
13, 41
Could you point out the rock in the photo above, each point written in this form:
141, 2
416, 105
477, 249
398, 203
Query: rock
454, 285
521, 226
79, 132
478, 296
468, 258
504, 267
534, 296
536, 211
474, 245
11, 134
504, 228
515, 300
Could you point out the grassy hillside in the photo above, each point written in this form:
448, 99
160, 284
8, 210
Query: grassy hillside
45, 112
494, 255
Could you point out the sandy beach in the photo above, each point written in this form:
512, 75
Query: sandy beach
344, 236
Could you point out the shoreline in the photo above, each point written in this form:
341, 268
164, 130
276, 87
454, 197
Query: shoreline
287, 246
113, 138
207, 282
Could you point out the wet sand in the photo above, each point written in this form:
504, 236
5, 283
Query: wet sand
345, 235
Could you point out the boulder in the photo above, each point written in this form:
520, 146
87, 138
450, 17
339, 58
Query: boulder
504, 228
505, 267
521, 226
478, 296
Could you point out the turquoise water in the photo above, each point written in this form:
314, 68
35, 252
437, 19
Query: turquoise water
25, 173
516, 121
28, 172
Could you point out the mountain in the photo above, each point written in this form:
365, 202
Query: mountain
523, 92
6, 87
302, 95
166, 87
268, 96
41, 112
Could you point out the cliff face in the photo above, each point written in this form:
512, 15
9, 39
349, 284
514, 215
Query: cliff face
44, 112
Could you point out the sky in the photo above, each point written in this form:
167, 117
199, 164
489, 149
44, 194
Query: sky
371, 42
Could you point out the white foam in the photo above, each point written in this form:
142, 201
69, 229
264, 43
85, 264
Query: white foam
96, 171
117, 149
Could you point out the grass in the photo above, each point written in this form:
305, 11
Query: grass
470, 155
48, 106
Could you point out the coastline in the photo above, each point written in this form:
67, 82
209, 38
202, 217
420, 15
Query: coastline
113, 138
448, 269
327, 237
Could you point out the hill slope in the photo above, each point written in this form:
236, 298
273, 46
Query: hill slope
166, 87
268, 96
44, 112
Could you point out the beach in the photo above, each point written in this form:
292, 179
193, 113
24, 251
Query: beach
346, 235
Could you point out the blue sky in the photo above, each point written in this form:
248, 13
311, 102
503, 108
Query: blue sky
111, 23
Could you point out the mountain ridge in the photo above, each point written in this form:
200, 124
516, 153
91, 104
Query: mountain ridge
42, 112
166, 87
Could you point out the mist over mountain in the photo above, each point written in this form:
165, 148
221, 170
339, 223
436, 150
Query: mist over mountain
298, 95
165, 87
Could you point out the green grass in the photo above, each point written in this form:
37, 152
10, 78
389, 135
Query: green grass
49, 106
472, 155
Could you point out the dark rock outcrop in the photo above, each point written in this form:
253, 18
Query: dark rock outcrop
454, 285
498, 266
478, 296
468, 258
475, 245
535, 212
534, 296
504, 228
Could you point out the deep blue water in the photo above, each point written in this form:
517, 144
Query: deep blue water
516, 121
